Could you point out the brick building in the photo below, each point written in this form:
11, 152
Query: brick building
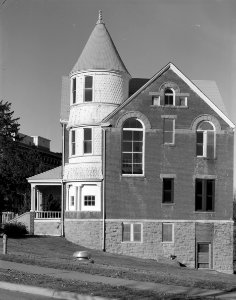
148, 163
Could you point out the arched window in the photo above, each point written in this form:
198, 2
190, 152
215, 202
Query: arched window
205, 146
132, 147
169, 97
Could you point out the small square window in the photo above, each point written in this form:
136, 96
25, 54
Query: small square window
167, 232
183, 101
156, 100
89, 200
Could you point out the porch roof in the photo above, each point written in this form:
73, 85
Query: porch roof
54, 175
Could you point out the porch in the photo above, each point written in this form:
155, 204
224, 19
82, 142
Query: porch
46, 197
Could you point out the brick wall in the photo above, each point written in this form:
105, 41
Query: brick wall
141, 197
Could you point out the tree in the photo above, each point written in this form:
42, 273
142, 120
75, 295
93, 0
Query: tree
16, 163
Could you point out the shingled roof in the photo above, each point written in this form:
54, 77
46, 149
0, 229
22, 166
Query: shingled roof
51, 175
100, 52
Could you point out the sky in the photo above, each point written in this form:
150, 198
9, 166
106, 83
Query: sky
41, 40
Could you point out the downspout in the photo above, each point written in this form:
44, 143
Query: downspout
103, 188
62, 182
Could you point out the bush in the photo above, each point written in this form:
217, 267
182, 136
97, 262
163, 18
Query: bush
15, 229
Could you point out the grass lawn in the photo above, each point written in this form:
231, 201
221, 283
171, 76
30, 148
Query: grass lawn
57, 252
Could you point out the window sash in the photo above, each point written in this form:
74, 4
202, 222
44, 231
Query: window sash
131, 232
204, 194
168, 190
88, 89
132, 151
169, 131
74, 90
167, 232
205, 143
73, 142
87, 140
89, 200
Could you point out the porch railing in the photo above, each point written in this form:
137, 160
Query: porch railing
47, 215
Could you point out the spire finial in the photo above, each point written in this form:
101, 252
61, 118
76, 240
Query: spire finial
100, 20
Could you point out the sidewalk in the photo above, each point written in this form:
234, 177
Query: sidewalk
74, 275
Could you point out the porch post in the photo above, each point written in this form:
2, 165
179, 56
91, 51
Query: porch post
32, 197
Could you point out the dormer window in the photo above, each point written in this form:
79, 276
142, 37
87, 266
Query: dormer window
74, 90
169, 97
88, 89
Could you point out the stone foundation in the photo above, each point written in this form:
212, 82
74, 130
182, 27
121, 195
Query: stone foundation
89, 233
152, 246
47, 227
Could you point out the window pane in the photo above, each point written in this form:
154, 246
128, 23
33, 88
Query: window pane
137, 232
203, 266
126, 168
137, 158
198, 187
73, 149
137, 135
167, 232
127, 146
87, 147
205, 126
73, 136
127, 135
199, 149
168, 137
168, 124
132, 123
126, 232
88, 95
199, 137
127, 158
203, 248
87, 134
137, 169
137, 146
88, 82
167, 183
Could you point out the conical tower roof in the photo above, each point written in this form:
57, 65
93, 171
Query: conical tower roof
100, 52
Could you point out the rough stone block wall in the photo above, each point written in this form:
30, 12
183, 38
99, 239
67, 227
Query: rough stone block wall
46, 227
152, 246
223, 244
85, 233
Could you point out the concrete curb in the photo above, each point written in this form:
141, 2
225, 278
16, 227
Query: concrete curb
33, 290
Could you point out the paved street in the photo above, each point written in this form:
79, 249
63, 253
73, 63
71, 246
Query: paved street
10, 295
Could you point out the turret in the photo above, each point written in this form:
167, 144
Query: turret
99, 79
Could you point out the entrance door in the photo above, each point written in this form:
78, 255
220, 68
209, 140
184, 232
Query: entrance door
204, 255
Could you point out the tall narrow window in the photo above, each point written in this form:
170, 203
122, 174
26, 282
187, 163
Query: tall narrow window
73, 142
168, 190
204, 194
132, 147
88, 89
169, 97
74, 90
87, 140
205, 140
167, 232
169, 131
